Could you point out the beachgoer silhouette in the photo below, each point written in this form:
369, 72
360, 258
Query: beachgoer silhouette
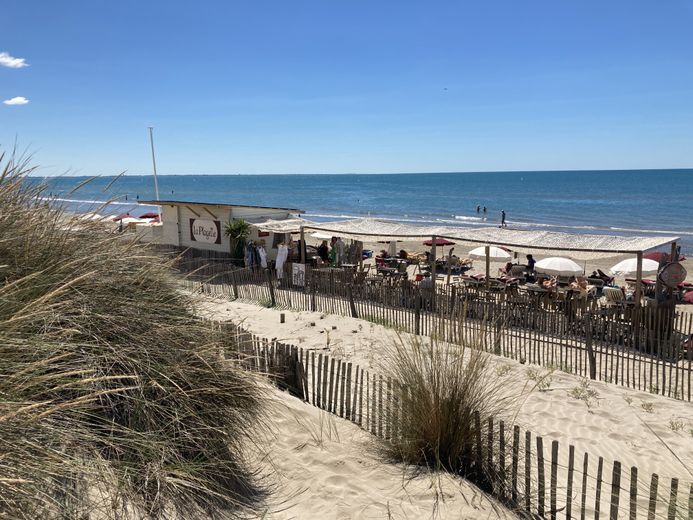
503, 224
478, 209
484, 210
126, 197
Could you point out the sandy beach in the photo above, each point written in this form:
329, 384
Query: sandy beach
325, 467
640, 429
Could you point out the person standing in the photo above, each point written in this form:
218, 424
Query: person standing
503, 224
478, 209
530, 263
324, 251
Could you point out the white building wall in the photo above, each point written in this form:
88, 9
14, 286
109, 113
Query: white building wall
175, 228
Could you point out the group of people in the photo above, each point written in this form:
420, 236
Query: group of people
334, 253
502, 215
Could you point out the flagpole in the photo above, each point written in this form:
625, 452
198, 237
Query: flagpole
156, 183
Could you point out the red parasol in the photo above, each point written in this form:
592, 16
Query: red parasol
122, 216
439, 242
660, 256
150, 214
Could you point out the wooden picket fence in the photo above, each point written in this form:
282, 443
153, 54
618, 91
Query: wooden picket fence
644, 351
528, 473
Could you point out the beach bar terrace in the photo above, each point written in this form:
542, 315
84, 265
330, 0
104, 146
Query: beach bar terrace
581, 247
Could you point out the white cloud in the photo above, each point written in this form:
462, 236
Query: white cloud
18, 100
10, 61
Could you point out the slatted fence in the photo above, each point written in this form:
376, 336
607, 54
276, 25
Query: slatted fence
645, 350
529, 473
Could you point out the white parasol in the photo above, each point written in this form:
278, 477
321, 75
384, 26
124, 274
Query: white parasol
496, 254
558, 266
630, 266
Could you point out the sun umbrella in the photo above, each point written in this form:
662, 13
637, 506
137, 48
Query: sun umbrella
439, 242
122, 216
495, 254
129, 220
558, 266
660, 256
630, 266
149, 214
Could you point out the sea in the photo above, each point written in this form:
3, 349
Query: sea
623, 202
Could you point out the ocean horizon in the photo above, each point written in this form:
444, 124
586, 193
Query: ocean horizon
619, 202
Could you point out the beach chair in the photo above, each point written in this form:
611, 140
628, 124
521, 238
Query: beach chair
613, 297
517, 271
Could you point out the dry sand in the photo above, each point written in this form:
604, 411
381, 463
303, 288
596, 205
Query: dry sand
652, 432
325, 467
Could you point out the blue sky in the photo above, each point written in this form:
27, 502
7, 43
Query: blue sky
358, 86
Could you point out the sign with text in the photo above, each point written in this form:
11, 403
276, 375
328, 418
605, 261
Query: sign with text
298, 274
208, 231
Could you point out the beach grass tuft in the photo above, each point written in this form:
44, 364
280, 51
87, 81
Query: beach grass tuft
445, 388
115, 400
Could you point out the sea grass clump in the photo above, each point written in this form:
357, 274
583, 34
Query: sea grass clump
115, 400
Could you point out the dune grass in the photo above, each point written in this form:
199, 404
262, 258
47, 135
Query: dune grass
115, 400
444, 387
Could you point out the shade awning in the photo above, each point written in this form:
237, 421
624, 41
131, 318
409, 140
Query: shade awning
576, 246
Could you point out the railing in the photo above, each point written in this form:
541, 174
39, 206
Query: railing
527, 472
645, 350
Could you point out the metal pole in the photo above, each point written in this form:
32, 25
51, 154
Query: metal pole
638, 280
156, 182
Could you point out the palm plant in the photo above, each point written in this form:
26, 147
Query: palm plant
238, 231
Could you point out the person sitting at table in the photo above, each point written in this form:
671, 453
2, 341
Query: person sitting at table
403, 254
324, 251
550, 284
506, 269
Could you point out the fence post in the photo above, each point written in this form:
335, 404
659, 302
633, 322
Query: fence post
588, 343
234, 281
352, 305
271, 287
417, 314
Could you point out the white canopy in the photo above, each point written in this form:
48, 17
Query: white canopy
495, 253
558, 266
577, 246
630, 266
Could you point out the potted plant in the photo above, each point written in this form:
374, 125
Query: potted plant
238, 231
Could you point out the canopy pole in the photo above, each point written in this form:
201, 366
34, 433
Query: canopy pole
638, 281
674, 257
433, 271
488, 266
302, 249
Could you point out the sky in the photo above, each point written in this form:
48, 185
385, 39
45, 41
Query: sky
347, 87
